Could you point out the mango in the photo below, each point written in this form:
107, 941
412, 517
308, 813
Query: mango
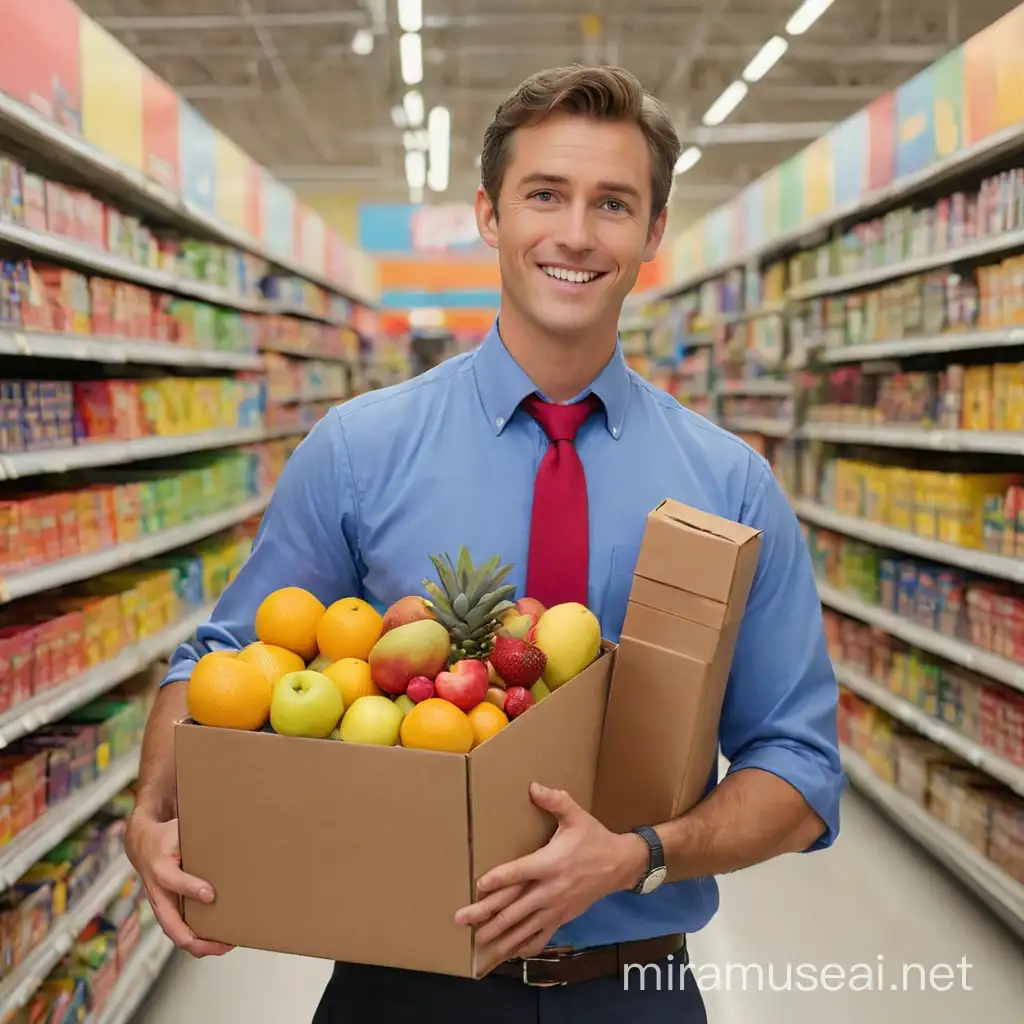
406, 610
570, 635
416, 649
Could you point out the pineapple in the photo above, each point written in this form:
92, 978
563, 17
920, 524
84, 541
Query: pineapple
468, 602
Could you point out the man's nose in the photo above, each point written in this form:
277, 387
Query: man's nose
576, 228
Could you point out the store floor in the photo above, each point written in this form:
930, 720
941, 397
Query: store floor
875, 895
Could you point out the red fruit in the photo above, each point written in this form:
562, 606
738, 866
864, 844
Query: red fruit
464, 685
517, 700
517, 662
420, 688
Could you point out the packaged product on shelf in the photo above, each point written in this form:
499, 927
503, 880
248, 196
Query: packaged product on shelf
11, 201
34, 201
1006, 845
916, 758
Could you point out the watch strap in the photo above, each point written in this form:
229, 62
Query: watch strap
655, 849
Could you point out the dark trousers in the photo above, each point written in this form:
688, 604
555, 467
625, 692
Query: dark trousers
381, 995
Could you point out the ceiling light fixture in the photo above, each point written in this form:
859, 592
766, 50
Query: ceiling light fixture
398, 117
410, 15
806, 15
765, 59
415, 168
687, 159
362, 42
410, 52
439, 128
412, 104
726, 103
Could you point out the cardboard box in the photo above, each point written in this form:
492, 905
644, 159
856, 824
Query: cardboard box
364, 854
689, 593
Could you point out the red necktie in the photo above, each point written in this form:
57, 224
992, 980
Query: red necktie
558, 563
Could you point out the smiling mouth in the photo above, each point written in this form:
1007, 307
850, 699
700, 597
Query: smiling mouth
572, 276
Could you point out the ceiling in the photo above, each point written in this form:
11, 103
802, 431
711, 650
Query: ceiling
282, 79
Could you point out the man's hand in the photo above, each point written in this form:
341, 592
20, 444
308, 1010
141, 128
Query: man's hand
523, 903
152, 847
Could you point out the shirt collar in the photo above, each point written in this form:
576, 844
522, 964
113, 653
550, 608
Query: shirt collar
503, 384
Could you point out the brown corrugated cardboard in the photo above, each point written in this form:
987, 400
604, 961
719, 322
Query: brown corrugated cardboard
364, 854
690, 586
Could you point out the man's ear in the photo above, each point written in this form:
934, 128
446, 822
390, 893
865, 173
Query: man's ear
486, 217
655, 235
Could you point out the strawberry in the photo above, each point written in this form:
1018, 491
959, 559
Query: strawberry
517, 662
517, 700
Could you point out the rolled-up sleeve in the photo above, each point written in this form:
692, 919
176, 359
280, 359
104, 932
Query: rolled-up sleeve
307, 538
780, 707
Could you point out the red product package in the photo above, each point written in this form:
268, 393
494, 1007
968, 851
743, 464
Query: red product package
16, 653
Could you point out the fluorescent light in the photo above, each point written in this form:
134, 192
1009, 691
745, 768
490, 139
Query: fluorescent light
726, 103
806, 15
765, 59
362, 42
687, 159
410, 15
415, 196
415, 168
398, 118
410, 51
416, 140
439, 127
413, 106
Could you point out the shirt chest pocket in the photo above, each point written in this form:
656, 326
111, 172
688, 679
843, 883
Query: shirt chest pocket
617, 588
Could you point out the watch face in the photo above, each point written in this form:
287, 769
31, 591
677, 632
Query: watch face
653, 880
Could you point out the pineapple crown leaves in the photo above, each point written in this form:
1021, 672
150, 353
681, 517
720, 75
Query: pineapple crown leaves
469, 596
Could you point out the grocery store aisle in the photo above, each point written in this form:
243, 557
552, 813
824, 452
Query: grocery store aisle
874, 895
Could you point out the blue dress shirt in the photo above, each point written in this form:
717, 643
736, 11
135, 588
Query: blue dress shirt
447, 458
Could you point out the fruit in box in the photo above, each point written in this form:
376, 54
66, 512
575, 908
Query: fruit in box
437, 724
570, 637
348, 629
353, 679
374, 720
496, 696
289, 618
306, 704
516, 624
469, 601
486, 720
272, 661
517, 700
517, 662
405, 702
406, 610
464, 685
228, 693
493, 677
540, 690
415, 649
420, 688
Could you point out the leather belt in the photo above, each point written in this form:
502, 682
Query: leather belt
564, 966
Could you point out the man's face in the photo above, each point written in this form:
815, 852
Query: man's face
573, 222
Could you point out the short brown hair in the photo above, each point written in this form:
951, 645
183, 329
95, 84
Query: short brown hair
608, 93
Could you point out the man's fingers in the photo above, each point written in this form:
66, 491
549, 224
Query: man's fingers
536, 945
556, 802
511, 917
483, 910
519, 937
534, 867
170, 877
165, 908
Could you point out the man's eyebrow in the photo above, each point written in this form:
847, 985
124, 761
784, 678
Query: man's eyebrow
543, 178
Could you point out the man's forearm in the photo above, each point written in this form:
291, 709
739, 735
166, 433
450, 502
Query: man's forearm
750, 817
156, 770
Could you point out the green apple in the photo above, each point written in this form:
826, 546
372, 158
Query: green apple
540, 690
307, 704
372, 719
319, 663
405, 702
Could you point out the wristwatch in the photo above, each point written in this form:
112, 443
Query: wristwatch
656, 869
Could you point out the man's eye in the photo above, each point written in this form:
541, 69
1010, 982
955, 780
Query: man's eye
543, 195
615, 205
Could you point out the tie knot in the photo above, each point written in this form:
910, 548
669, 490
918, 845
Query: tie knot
560, 422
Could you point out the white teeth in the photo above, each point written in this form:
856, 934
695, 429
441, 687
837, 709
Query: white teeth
572, 276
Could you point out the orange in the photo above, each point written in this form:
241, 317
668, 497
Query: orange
288, 618
349, 629
222, 654
436, 724
352, 677
228, 693
486, 719
272, 661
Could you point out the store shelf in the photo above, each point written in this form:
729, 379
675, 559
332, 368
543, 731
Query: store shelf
997, 441
137, 977
112, 453
1003, 895
999, 566
756, 388
275, 307
70, 570
116, 350
985, 663
938, 732
758, 425
61, 700
57, 247
941, 343
323, 396
303, 353
1002, 242
19, 987
60, 821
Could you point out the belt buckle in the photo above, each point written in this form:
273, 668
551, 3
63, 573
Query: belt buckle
526, 961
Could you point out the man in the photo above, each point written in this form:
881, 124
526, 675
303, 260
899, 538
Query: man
541, 446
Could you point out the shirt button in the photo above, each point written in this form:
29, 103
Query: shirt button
615, 431
500, 421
